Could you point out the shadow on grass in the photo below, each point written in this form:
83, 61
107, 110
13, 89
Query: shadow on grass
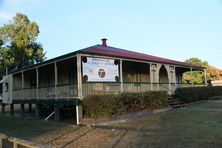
26, 129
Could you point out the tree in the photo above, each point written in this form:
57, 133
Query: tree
18, 45
213, 73
198, 76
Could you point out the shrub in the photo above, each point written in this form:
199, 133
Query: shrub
192, 94
97, 106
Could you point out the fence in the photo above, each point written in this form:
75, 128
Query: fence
11, 142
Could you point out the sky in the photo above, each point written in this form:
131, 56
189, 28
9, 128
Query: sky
167, 28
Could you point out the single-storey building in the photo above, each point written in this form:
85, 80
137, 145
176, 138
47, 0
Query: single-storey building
65, 80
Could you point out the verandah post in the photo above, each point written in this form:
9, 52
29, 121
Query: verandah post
191, 76
37, 111
121, 75
12, 109
56, 79
22, 110
175, 77
57, 112
22, 85
79, 79
205, 76
151, 77
37, 83
3, 108
30, 107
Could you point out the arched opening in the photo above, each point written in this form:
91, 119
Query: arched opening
163, 76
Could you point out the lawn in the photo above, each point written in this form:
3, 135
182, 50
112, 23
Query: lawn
198, 125
25, 129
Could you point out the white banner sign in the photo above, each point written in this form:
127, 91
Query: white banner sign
97, 69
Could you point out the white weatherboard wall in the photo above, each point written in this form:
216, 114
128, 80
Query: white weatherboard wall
7, 89
100, 70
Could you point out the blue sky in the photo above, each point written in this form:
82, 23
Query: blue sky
167, 28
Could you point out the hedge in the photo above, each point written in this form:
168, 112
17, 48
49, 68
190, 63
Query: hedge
191, 94
106, 105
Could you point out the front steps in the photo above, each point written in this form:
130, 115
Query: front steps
175, 103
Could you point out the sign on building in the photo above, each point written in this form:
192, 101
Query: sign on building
100, 70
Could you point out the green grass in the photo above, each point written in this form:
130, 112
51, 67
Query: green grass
207, 105
216, 98
179, 128
198, 125
25, 129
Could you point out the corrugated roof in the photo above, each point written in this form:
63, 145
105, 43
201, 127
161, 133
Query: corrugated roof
116, 52
112, 51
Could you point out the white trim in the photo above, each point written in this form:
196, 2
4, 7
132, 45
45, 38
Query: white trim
205, 76
77, 115
3, 80
79, 76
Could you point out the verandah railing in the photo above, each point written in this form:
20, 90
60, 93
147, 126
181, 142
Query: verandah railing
63, 91
47, 92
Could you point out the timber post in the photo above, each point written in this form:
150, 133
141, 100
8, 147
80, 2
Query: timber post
22, 110
11, 109
57, 112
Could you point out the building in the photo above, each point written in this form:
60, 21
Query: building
216, 83
65, 80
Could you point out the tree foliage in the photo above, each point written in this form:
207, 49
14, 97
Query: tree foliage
198, 76
18, 45
213, 73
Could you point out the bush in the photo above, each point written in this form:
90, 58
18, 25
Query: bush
192, 94
97, 106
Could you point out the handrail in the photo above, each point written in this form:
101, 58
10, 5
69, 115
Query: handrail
171, 91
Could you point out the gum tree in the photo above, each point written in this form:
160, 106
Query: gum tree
18, 44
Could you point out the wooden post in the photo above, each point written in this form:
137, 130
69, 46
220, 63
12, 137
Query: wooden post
37, 111
191, 76
2, 137
56, 79
1, 142
11, 109
37, 83
175, 77
79, 77
22, 85
30, 107
121, 75
151, 77
205, 76
57, 112
22, 110
3, 108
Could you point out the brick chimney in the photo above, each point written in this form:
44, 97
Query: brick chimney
104, 42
